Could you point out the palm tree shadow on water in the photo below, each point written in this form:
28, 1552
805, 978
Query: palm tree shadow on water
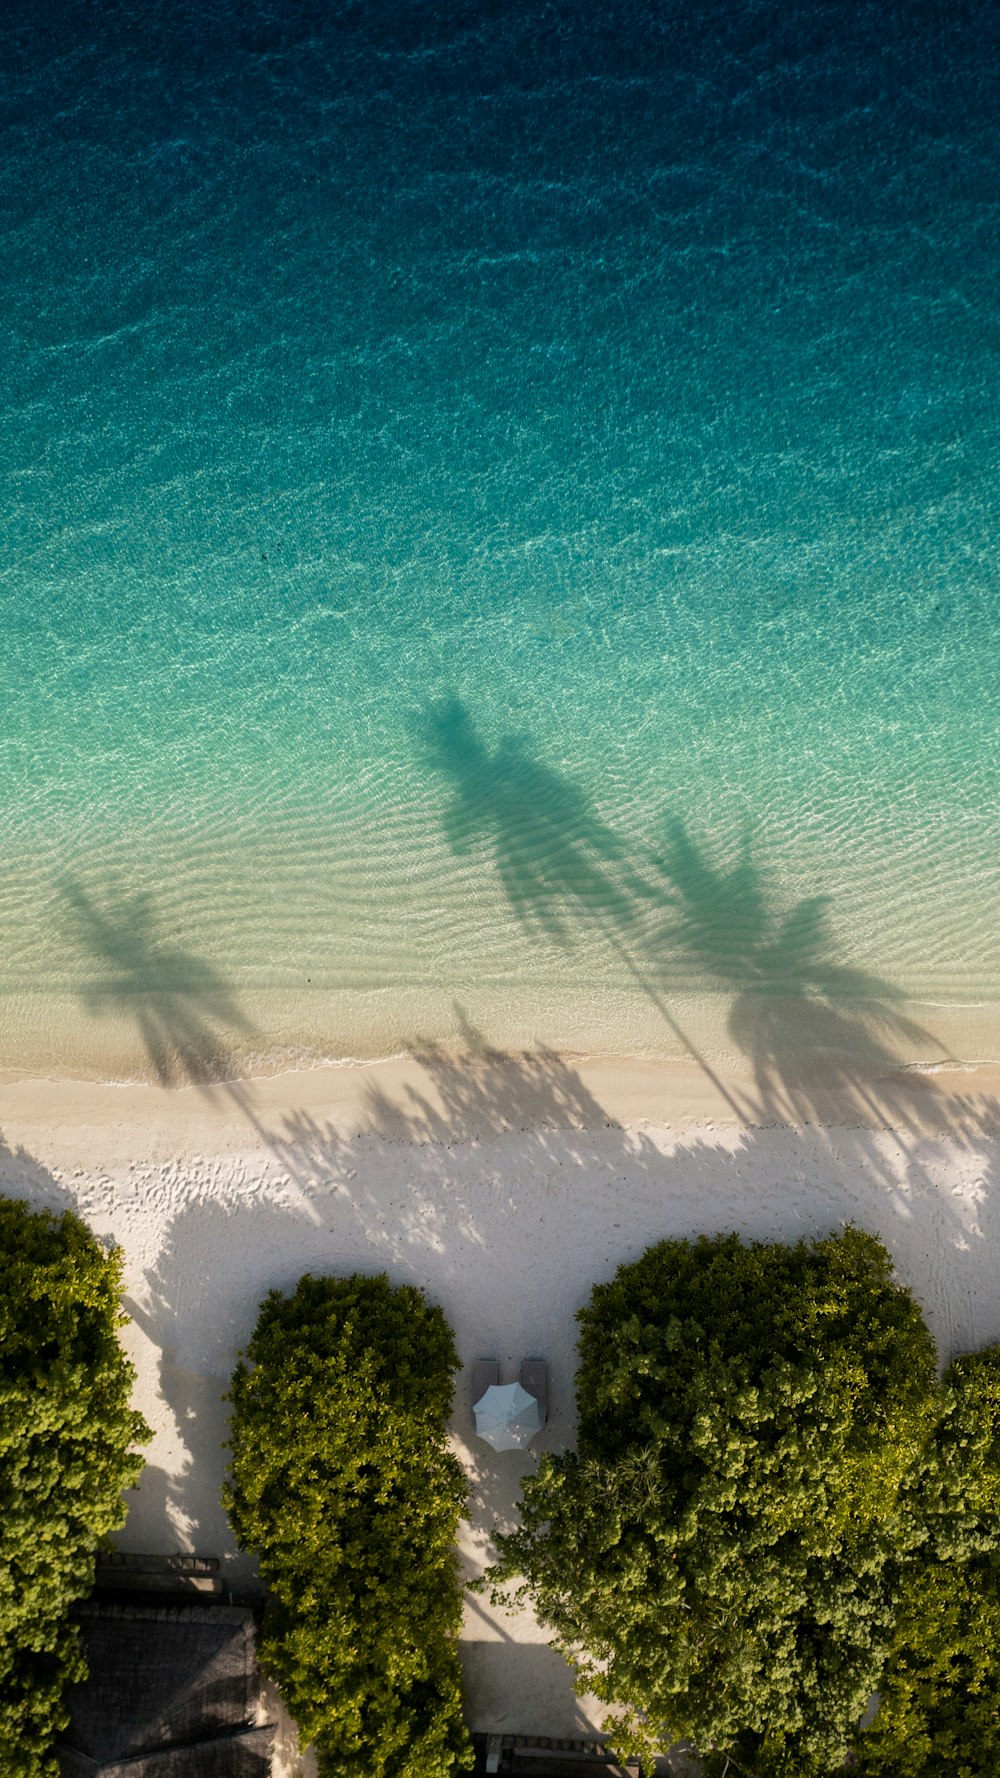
563, 871
817, 1032
824, 1041
557, 862
187, 1017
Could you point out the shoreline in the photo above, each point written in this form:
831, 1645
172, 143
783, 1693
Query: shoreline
180, 1038
406, 1097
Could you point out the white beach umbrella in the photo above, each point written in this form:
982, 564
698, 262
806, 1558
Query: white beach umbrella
507, 1417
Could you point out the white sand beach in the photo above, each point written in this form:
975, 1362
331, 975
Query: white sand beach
504, 1186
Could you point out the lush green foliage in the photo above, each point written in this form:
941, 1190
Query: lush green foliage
342, 1481
66, 1433
940, 1709
716, 1556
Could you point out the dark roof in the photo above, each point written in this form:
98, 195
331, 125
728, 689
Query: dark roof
245, 1755
171, 1692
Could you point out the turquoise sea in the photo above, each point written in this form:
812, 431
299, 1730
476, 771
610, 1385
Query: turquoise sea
499, 531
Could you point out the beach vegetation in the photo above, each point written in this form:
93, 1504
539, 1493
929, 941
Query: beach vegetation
342, 1483
939, 1708
67, 1450
716, 1558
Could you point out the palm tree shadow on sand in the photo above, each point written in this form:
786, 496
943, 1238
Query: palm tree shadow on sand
467, 1094
187, 1018
484, 1091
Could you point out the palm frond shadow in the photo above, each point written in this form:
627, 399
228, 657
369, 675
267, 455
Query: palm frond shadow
815, 1030
186, 1016
823, 1039
556, 861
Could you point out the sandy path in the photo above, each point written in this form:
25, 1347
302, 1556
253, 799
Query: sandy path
504, 1187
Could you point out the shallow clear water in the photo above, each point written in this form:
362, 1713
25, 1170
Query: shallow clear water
500, 511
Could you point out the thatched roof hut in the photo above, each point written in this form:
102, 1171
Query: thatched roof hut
172, 1692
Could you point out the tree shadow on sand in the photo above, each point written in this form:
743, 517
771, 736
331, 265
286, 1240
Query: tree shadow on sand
219, 1258
186, 1016
469, 1100
484, 1091
23, 1176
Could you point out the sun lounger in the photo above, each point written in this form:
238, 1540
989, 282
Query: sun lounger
535, 1379
485, 1372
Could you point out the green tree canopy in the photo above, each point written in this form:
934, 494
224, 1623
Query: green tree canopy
714, 1558
940, 1693
66, 1438
342, 1482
